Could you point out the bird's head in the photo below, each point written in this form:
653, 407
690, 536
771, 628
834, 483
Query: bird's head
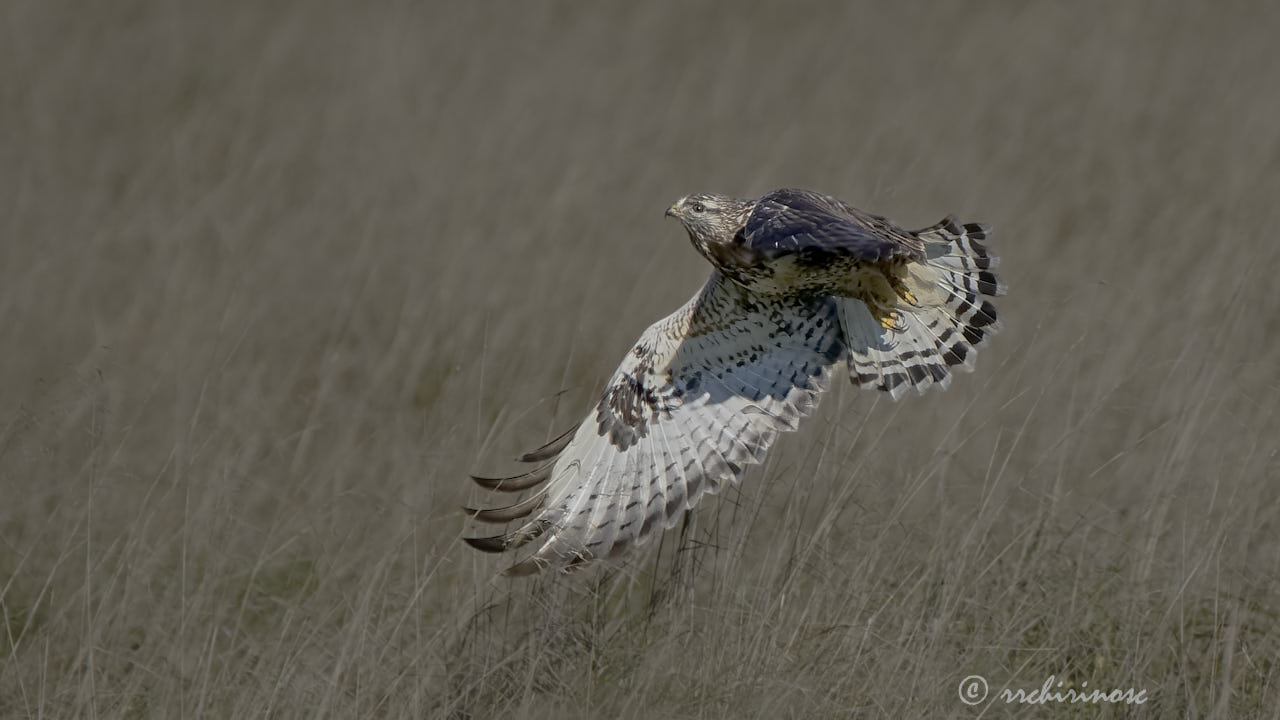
711, 220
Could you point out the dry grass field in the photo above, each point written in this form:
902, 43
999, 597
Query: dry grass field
275, 277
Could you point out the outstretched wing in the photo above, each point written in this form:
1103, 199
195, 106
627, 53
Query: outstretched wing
802, 221
701, 395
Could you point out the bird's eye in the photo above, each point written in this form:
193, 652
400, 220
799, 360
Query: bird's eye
699, 207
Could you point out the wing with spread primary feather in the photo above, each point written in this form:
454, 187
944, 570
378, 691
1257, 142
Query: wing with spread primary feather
701, 395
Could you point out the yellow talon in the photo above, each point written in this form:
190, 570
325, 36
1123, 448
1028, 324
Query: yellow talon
889, 320
903, 291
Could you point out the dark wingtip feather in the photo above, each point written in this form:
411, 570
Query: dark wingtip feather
508, 513
551, 449
526, 568
536, 564
511, 540
495, 544
946, 224
515, 483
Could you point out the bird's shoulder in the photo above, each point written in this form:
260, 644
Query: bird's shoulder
792, 220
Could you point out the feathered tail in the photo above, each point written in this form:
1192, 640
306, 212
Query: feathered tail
938, 319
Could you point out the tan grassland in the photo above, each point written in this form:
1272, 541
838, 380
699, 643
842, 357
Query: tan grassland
275, 277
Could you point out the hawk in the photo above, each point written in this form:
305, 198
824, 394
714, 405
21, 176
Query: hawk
802, 283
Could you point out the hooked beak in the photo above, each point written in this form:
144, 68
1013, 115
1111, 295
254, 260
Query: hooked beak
671, 211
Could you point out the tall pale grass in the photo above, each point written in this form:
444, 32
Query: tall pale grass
276, 277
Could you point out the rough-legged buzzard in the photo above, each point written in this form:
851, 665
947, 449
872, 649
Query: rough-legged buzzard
801, 282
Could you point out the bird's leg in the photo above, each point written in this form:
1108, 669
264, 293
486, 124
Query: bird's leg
685, 524
686, 565
888, 290
878, 289
890, 319
903, 291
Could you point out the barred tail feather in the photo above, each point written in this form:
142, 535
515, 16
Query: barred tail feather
939, 327
907, 357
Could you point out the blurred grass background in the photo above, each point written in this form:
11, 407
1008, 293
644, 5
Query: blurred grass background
276, 276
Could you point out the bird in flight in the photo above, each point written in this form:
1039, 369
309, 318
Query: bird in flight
802, 284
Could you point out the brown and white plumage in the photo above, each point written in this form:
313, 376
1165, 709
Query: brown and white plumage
802, 282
